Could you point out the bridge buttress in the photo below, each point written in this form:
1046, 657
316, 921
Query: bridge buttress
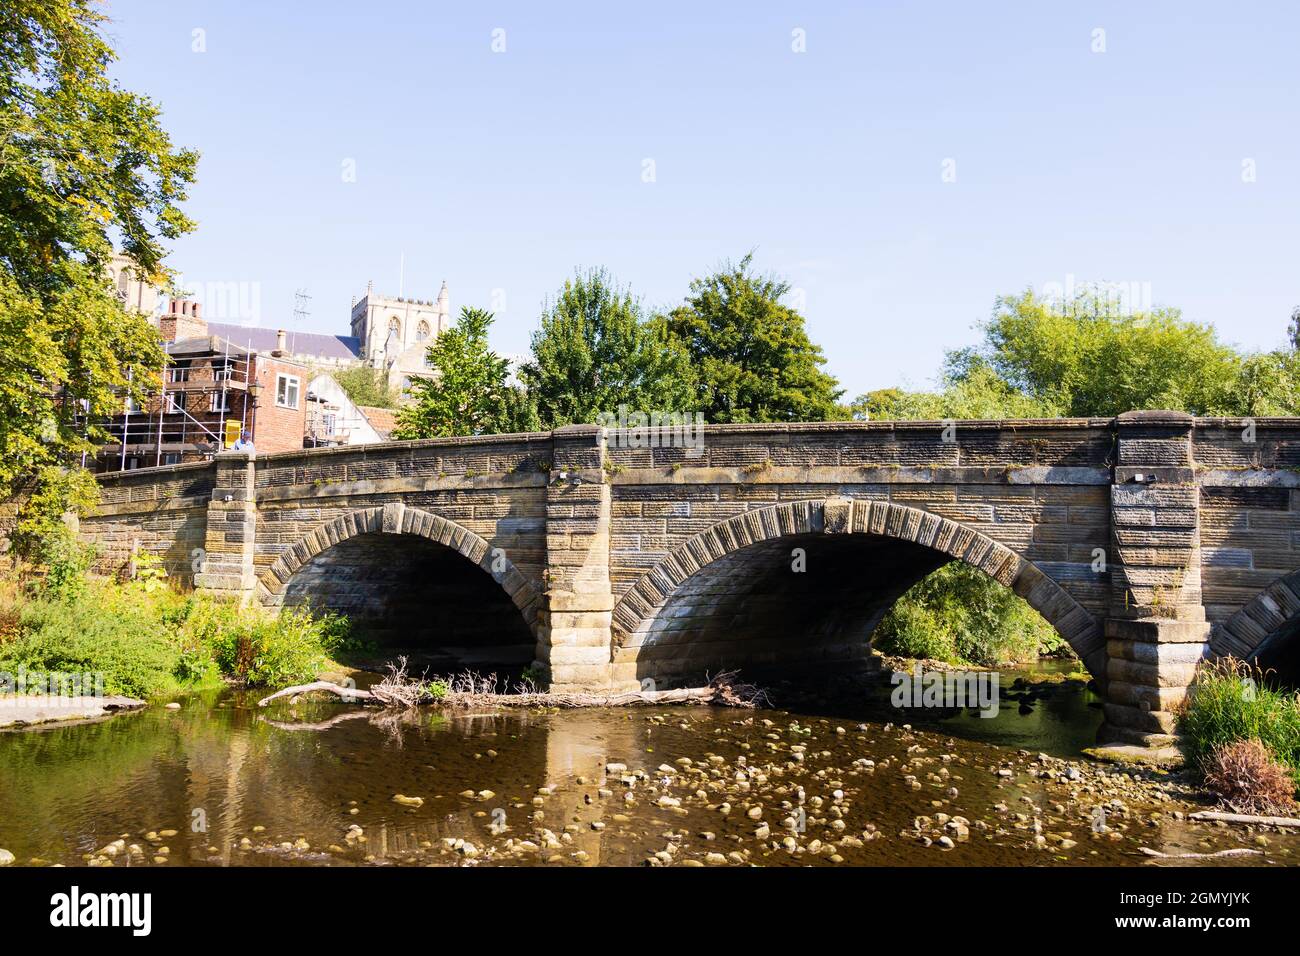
227, 562
574, 642
1157, 630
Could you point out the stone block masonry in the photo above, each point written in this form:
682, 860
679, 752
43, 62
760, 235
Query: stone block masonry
1151, 542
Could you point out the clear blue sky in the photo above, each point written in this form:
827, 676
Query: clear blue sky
505, 171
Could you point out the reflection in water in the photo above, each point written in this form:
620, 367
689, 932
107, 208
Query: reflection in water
281, 786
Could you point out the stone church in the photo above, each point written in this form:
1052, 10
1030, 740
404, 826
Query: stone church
393, 333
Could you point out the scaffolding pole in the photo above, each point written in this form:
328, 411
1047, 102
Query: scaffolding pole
126, 416
162, 407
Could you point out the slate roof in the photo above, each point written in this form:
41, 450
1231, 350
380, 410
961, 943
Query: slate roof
300, 343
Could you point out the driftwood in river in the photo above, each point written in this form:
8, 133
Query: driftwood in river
1210, 816
469, 690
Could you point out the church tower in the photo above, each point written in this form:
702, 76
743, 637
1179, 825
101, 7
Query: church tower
394, 332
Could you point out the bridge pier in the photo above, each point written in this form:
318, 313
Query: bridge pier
1157, 630
574, 645
225, 567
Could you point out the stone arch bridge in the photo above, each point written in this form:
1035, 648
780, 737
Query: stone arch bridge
1149, 541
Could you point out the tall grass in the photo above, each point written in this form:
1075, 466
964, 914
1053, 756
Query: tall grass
147, 640
1231, 701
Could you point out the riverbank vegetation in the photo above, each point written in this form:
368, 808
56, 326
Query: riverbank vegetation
148, 640
1243, 735
961, 616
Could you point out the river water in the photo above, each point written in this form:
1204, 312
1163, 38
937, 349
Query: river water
222, 782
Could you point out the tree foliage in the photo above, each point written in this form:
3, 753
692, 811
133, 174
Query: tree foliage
367, 386
1085, 359
959, 614
596, 351
971, 390
752, 356
82, 163
1045, 359
468, 393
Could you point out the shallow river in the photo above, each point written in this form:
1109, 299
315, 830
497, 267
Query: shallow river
221, 782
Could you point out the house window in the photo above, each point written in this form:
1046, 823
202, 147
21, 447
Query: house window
215, 403
330, 421
171, 458
175, 403
286, 391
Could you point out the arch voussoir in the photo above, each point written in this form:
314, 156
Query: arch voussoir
1242, 634
275, 578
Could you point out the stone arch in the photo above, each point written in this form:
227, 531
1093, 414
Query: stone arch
1268, 613
397, 518
882, 519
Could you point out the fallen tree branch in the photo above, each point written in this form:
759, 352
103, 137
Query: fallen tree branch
347, 693
1238, 851
1212, 815
471, 690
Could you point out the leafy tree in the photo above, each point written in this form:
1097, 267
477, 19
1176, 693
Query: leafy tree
1084, 360
1268, 383
82, 162
595, 351
959, 614
468, 393
972, 390
751, 353
367, 386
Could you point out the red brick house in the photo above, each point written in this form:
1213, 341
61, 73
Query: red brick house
209, 381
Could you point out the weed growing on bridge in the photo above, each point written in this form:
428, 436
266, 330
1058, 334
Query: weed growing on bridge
1233, 701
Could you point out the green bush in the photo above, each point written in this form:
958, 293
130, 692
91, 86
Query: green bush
1232, 701
147, 640
913, 629
960, 615
101, 628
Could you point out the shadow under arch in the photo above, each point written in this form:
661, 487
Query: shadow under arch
735, 577
412, 579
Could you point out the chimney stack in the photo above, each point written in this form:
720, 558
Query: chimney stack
281, 345
183, 320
